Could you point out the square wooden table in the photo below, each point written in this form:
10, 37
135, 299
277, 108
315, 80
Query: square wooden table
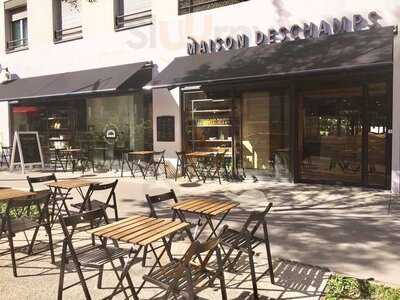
143, 232
134, 164
207, 209
63, 188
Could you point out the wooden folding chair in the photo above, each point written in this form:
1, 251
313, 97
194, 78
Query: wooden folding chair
57, 200
245, 241
186, 277
22, 215
90, 203
213, 167
152, 201
93, 256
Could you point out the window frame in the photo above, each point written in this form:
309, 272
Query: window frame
21, 43
62, 34
131, 20
190, 7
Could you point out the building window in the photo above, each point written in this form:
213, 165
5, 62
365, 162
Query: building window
133, 13
190, 6
17, 28
67, 21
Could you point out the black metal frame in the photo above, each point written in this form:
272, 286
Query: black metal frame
68, 34
137, 19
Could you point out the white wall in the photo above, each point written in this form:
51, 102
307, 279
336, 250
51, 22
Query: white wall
166, 38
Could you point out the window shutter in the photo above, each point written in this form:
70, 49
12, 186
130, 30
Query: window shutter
18, 14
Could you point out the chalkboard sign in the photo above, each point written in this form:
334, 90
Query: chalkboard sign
26, 150
166, 129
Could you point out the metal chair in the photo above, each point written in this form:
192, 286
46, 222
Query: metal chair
94, 256
5, 156
22, 215
89, 203
245, 241
185, 277
57, 197
151, 201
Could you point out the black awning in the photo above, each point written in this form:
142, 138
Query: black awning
335, 52
93, 81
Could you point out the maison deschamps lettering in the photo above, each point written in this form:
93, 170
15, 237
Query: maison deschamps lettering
296, 32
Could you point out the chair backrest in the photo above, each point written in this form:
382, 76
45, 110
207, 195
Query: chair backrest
97, 187
256, 217
181, 157
151, 200
69, 223
158, 156
40, 179
34, 207
197, 248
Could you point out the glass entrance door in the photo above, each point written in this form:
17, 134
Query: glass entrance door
345, 135
330, 135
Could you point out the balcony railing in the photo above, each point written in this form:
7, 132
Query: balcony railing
15, 44
189, 6
68, 34
134, 20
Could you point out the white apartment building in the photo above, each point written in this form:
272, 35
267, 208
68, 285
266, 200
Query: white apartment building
305, 91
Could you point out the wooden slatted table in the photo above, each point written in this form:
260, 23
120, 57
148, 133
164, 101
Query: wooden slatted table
7, 194
141, 231
207, 209
62, 190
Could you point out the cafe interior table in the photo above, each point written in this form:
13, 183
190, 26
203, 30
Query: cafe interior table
143, 232
63, 188
133, 160
207, 209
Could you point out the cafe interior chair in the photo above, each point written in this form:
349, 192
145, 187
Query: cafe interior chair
91, 255
212, 168
187, 277
22, 215
245, 241
86, 160
58, 160
57, 200
152, 201
91, 203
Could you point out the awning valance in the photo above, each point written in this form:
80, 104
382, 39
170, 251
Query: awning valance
93, 81
335, 52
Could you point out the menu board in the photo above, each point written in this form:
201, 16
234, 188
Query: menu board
166, 129
26, 150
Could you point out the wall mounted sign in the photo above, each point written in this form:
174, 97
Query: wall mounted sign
284, 34
110, 134
26, 150
166, 129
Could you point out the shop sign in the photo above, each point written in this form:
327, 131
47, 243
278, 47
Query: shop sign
285, 34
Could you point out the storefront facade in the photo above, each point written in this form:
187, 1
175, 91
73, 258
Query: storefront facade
335, 127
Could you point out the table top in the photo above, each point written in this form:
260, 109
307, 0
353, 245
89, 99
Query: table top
205, 206
70, 184
200, 154
141, 152
70, 150
7, 194
139, 230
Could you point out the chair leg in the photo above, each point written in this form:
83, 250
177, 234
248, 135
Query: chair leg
49, 234
100, 277
267, 245
30, 249
61, 279
12, 251
253, 274
116, 212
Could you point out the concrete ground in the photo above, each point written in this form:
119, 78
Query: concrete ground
341, 229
